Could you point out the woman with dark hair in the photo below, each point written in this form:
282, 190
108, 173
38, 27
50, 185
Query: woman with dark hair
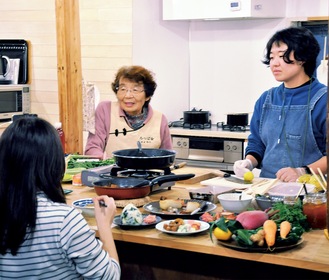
119, 125
288, 126
41, 237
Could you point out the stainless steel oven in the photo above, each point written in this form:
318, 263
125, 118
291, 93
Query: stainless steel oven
212, 152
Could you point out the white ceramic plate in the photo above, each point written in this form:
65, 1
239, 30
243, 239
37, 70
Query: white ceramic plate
203, 227
289, 189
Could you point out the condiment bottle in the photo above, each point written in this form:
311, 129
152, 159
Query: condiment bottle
315, 209
58, 126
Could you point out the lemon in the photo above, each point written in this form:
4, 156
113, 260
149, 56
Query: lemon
305, 178
221, 234
248, 176
315, 182
311, 179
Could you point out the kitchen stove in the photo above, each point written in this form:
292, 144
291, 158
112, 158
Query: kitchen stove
148, 174
91, 175
238, 128
186, 125
197, 125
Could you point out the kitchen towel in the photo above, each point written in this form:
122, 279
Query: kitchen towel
90, 99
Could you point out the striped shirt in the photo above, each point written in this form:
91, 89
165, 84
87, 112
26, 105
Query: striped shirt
62, 247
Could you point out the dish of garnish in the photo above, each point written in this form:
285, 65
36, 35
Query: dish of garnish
145, 224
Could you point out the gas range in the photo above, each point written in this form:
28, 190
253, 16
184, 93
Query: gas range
91, 175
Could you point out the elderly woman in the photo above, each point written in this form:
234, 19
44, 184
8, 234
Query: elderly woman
119, 125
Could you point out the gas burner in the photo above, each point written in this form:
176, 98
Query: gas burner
234, 127
139, 173
118, 171
197, 125
145, 174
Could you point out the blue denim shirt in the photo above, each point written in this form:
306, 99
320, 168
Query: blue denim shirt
287, 129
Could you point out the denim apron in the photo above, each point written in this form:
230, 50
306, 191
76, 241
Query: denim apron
287, 135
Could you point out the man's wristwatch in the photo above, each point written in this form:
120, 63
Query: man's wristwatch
307, 169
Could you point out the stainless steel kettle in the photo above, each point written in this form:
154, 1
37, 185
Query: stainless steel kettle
4, 66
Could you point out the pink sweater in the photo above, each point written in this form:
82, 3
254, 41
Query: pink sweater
96, 143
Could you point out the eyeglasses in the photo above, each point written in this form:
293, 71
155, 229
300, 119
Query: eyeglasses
122, 90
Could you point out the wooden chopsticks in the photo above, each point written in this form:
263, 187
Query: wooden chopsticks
317, 178
322, 177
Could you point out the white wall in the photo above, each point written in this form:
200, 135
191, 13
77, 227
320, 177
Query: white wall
212, 65
163, 47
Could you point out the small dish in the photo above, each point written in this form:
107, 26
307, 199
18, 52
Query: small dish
86, 205
117, 221
203, 227
235, 202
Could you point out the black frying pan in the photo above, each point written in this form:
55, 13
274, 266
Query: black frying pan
149, 159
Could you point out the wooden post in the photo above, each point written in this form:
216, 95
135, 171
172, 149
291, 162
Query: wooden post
69, 73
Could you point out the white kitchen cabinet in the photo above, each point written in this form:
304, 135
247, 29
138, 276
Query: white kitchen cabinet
222, 9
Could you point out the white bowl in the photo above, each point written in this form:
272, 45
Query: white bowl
85, 205
235, 202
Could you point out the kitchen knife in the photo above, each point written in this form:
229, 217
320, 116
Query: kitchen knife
178, 165
230, 178
202, 206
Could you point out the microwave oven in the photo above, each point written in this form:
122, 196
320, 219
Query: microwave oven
14, 100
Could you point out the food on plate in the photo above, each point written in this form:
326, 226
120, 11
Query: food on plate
190, 226
285, 228
248, 176
191, 206
220, 234
211, 217
149, 219
270, 229
174, 203
173, 225
258, 237
179, 225
131, 215
252, 219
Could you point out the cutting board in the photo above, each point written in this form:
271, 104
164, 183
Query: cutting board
258, 186
201, 174
220, 181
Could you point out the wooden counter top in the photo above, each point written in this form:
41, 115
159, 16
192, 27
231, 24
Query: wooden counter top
312, 254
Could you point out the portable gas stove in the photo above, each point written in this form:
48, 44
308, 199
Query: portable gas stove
91, 175
148, 174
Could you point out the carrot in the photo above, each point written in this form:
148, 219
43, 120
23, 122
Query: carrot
285, 228
270, 229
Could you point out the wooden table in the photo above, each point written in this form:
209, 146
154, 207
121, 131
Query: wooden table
151, 254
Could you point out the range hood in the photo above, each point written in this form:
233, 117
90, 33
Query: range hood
222, 9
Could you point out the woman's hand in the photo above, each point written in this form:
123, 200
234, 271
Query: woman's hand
104, 214
289, 174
